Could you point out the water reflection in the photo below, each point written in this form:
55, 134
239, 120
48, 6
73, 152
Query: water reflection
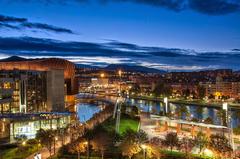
85, 111
195, 111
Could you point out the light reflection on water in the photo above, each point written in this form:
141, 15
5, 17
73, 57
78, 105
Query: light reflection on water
85, 111
157, 107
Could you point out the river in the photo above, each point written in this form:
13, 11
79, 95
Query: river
157, 107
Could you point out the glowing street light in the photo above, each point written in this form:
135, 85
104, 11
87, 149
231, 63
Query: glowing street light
24, 143
165, 100
55, 139
144, 147
225, 106
228, 118
120, 73
102, 75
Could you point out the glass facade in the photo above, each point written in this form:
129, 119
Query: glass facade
30, 128
25, 90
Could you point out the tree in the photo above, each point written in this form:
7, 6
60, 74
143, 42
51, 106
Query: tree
187, 144
186, 93
46, 138
101, 142
221, 114
201, 91
220, 144
199, 112
211, 96
89, 136
162, 89
182, 110
171, 140
141, 137
132, 142
201, 141
236, 130
208, 120
153, 148
78, 146
135, 89
129, 149
20, 138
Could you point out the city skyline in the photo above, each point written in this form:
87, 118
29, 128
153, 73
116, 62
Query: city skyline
183, 35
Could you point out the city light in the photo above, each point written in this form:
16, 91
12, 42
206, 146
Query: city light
143, 146
225, 106
120, 73
102, 75
24, 143
165, 100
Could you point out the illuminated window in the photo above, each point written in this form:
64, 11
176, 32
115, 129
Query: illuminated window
7, 85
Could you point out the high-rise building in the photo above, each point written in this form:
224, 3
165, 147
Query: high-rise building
31, 91
35, 85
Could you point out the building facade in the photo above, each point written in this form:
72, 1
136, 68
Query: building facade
31, 91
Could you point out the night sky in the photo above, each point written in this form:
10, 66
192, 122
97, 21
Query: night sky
176, 35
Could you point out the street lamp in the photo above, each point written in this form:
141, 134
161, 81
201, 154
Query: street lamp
102, 75
87, 144
225, 106
120, 73
55, 139
165, 100
24, 143
144, 147
228, 118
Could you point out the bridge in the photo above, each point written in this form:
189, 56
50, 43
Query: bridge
94, 98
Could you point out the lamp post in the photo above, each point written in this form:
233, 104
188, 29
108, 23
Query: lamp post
87, 144
24, 143
120, 76
144, 147
229, 125
165, 100
118, 105
55, 139
102, 75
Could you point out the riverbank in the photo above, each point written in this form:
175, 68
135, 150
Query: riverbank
186, 102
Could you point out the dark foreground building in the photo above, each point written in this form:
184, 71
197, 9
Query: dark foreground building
36, 85
33, 94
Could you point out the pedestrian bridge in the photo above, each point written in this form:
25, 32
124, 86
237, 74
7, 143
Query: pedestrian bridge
180, 121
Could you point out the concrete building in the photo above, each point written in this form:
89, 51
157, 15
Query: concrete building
31, 91
44, 64
221, 88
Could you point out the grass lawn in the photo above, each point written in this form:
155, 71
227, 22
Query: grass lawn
125, 123
21, 152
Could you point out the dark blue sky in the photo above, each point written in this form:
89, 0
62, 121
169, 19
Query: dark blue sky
196, 27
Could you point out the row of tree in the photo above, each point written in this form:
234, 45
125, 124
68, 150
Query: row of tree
165, 90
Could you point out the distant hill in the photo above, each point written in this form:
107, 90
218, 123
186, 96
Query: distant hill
13, 58
86, 66
237, 71
129, 68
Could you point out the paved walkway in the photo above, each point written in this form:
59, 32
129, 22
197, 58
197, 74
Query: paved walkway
45, 153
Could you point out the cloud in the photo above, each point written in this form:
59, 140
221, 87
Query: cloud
8, 26
215, 7
23, 23
176, 5
235, 49
46, 27
102, 54
210, 7
11, 19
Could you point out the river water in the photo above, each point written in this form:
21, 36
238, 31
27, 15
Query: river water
157, 107
85, 111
